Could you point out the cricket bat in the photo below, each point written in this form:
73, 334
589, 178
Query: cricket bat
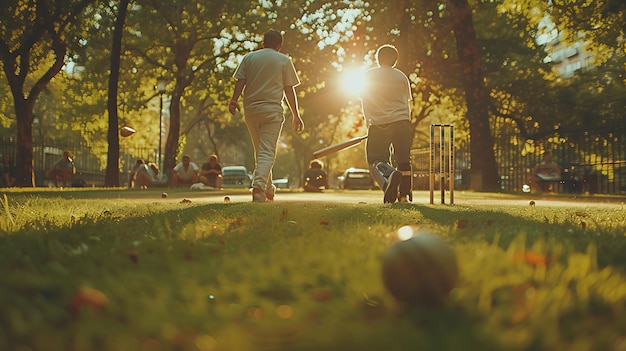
338, 147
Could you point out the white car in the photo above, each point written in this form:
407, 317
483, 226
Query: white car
236, 177
356, 178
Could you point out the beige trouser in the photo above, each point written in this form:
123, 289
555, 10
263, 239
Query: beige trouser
264, 129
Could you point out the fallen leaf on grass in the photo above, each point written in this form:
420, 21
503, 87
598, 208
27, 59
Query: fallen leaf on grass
532, 258
185, 201
86, 297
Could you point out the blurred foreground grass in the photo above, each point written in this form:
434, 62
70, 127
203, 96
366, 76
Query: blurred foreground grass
117, 273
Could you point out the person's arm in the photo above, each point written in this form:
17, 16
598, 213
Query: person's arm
233, 106
292, 101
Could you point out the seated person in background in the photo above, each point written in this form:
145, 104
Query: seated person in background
315, 178
144, 175
544, 173
7, 172
211, 173
63, 169
186, 172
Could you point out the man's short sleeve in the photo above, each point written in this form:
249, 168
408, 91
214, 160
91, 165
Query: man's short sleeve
240, 71
290, 76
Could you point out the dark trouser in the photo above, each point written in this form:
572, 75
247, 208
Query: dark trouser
380, 141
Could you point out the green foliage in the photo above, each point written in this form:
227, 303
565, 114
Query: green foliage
197, 46
102, 270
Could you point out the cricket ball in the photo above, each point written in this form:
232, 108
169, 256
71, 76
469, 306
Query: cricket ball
127, 131
421, 270
164, 195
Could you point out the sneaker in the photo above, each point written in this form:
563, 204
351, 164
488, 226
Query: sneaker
391, 190
270, 196
258, 195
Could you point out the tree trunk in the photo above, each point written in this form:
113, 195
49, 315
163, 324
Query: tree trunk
24, 172
173, 132
484, 171
112, 176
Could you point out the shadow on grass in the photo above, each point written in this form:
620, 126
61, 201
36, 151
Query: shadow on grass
568, 227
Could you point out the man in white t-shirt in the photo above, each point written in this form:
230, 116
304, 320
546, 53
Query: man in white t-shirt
185, 172
268, 77
385, 102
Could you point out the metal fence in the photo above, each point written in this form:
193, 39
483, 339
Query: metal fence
90, 164
593, 161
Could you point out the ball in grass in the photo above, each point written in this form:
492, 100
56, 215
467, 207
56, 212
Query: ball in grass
164, 195
419, 270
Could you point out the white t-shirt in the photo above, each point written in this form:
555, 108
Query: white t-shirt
386, 96
266, 72
186, 174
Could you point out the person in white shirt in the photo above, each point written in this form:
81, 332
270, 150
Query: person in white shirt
385, 103
266, 77
185, 172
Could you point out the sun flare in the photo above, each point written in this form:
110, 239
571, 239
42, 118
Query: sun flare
353, 81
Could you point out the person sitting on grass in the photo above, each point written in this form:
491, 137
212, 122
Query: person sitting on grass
144, 175
315, 178
186, 172
211, 173
62, 170
544, 174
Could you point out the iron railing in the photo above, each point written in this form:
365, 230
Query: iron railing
593, 161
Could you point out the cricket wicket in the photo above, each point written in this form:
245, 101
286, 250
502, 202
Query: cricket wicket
444, 155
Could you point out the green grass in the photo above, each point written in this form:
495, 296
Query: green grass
299, 276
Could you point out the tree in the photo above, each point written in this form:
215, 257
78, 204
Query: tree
112, 177
183, 51
484, 171
34, 33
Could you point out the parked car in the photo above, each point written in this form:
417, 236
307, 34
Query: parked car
236, 177
356, 178
282, 183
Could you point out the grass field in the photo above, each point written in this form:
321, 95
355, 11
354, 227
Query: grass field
126, 270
